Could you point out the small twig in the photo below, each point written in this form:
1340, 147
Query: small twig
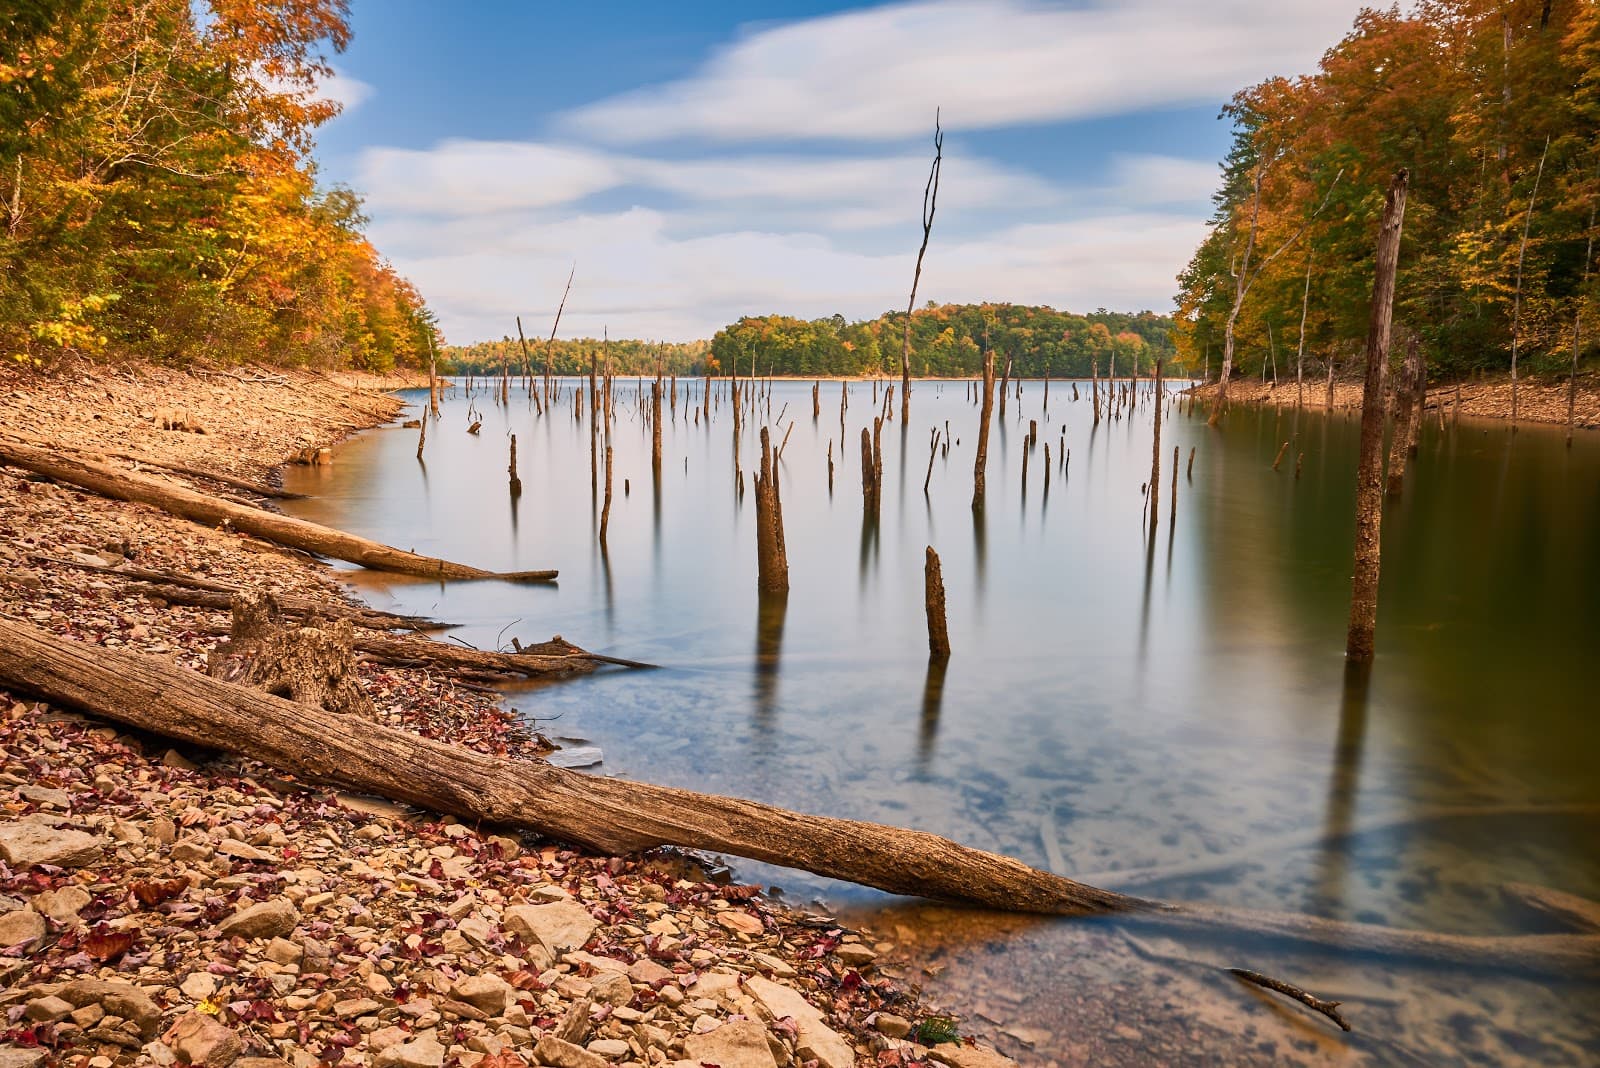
1330, 1009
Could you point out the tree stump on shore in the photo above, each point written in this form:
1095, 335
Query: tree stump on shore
312, 664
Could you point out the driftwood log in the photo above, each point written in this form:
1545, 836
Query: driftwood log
617, 816
210, 511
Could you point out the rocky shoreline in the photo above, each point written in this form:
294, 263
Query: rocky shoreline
160, 906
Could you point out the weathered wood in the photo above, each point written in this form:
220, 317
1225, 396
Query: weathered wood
1330, 1009
980, 464
772, 559
933, 597
211, 511
299, 607
618, 816
1369, 474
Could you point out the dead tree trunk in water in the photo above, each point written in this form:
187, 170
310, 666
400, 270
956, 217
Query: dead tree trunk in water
1407, 416
930, 203
1005, 385
1369, 475
869, 490
772, 559
933, 597
1155, 459
1516, 302
511, 469
981, 464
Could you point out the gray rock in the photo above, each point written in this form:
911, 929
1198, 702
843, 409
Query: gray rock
612, 1049
62, 905
269, 919
736, 1044
490, 993
612, 987
25, 844
200, 1039
20, 928
558, 926
556, 1053
423, 1052
17, 1057
47, 1009
117, 999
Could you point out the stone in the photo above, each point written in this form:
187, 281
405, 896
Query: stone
556, 1053
741, 922
197, 986
45, 797
957, 1055
612, 1049
266, 920
894, 1026
47, 1009
192, 851
612, 988
117, 999
17, 1057
558, 926
199, 1039
855, 954
421, 1052
384, 1037
646, 971
231, 847
816, 1040
736, 1044
22, 845
62, 905
20, 928
352, 1008
490, 993
283, 951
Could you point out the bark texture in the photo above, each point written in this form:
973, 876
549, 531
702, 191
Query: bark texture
211, 511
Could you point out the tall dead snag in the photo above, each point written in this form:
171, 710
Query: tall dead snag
549, 346
981, 464
1577, 314
1516, 300
433, 379
655, 432
270, 526
1005, 386
1245, 274
1155, 459
869, 503
527, 372
930, 202
933, 598
1369, 473
816, 401
1300, 351
511, 469
1407, 415
594, 414
422, 434
772, 558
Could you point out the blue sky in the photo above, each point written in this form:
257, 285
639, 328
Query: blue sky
702, 161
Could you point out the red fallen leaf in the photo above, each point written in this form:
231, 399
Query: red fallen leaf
522, 979
104, 944
152, 892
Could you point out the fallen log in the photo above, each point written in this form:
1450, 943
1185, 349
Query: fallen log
1579, 913
210, 511
260, 489
616, 816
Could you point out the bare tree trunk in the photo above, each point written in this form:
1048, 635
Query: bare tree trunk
933, 597
930, 203
1369, 476
772, 561
549, 346
1516, 301
1577, 316
1300, 354
213, 512
1155, 459
981, 464
511, 469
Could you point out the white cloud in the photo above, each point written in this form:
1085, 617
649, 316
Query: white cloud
1144, 179
343, 89
465, 177
879, 72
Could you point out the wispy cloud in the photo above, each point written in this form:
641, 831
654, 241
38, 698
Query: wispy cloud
877, 73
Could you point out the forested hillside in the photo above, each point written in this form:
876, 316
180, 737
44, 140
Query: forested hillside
946, 340
1495, 110
158, 196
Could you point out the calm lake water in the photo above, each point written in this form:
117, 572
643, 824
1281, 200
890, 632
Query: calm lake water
1112, 702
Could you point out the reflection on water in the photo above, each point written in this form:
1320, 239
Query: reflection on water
1111, 703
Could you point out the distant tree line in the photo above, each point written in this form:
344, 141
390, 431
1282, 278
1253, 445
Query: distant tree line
157, 195
946, 340
1494, 108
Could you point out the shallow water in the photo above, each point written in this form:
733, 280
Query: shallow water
1113, 702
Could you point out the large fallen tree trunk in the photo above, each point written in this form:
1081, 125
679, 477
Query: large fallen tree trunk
284, 530
617, 816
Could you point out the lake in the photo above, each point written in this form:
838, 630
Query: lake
1113, 702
